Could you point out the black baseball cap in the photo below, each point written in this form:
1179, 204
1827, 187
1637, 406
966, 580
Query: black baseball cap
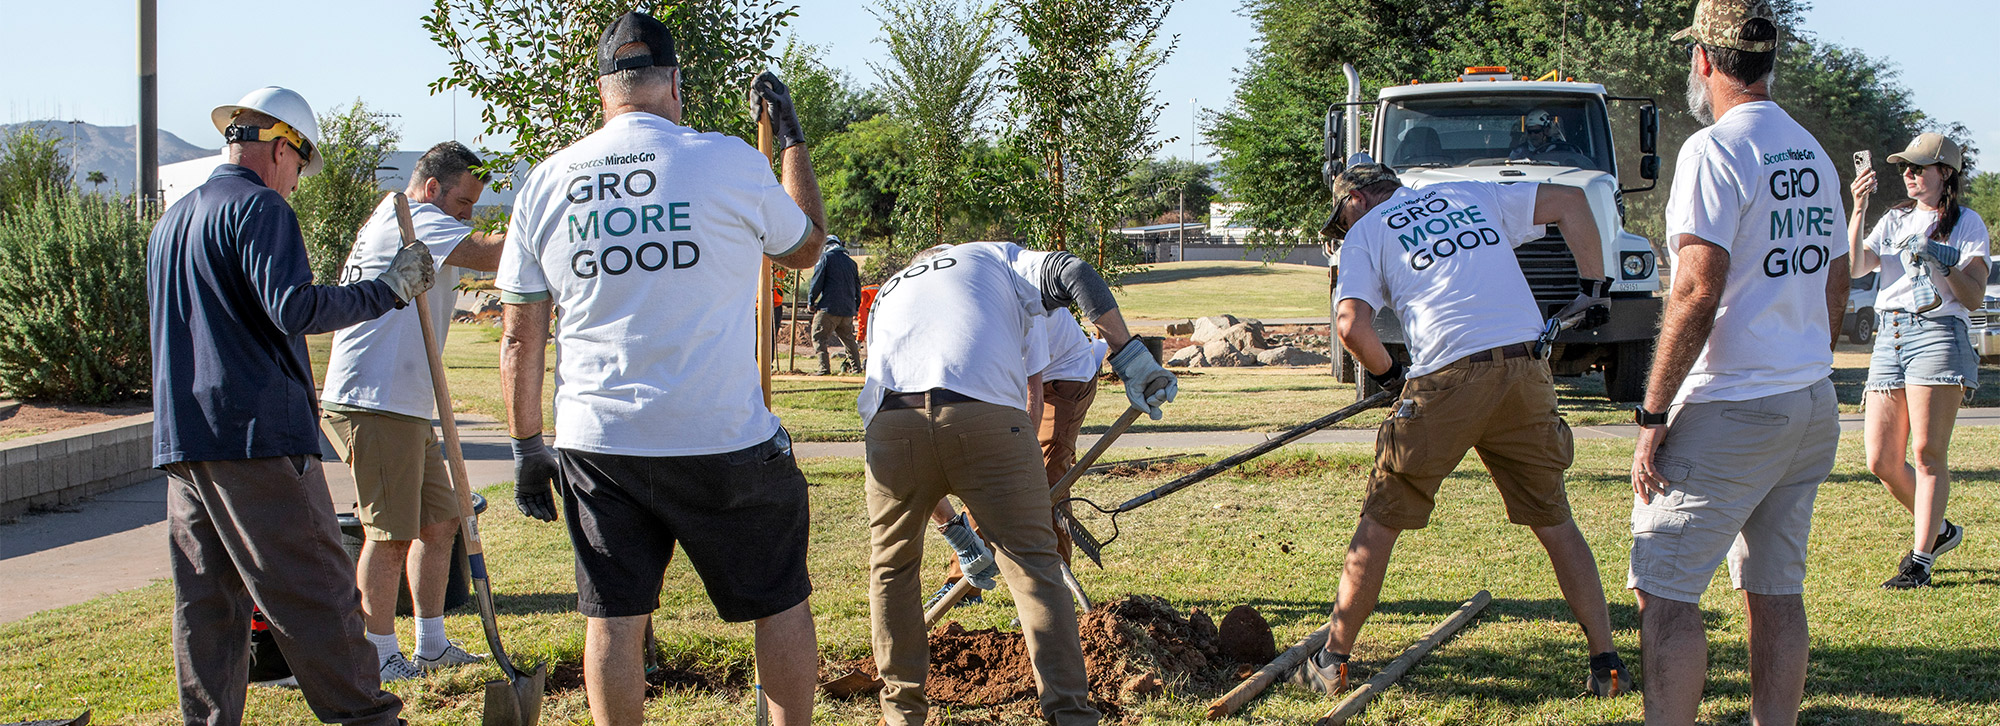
634, 27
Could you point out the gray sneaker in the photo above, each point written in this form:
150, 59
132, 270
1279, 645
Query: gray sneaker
452, 657
398, 668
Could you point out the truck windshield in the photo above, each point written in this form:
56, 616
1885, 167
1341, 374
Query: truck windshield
1492, 130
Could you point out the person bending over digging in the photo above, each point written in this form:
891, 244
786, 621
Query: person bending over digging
652, 253
945, 411
1473, 383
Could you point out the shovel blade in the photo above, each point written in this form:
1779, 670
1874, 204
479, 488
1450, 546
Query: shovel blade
851, 684
516, 702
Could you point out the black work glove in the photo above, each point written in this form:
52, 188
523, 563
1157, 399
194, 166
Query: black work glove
1390, 380
535, 472
785, 128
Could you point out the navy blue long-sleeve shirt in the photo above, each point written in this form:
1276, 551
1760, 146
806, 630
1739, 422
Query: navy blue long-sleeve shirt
836, 283
232, 301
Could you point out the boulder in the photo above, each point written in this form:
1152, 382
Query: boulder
1220, 353
1190, 356
1217, 348
1210, 328
1286, 355
1244, 337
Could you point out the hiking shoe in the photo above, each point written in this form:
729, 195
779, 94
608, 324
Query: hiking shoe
1946, 540
1321, 673
398, 668
452, 657
1609, 678
1909, 576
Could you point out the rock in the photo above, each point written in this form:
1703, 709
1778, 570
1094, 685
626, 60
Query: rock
1286, 355
1246, 636
1142, 684
1217, 348
1210, 328
1221, 354
1181, 329
1242, 336
1189, 356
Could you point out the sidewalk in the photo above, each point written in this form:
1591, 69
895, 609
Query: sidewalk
117, 541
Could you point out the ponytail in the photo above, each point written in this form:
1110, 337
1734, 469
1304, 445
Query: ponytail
1948, 209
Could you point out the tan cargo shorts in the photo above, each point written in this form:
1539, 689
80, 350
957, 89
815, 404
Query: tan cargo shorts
1744, 475
1506, 410
399, 472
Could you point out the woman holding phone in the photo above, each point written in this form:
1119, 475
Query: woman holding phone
1932, 253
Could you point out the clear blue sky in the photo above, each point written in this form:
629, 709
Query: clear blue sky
76, 60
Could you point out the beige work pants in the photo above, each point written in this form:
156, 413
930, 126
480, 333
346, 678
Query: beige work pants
986, 455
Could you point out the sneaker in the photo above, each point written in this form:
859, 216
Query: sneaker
1321, 673
1909, 576
1609, 678
1946, 540
285, 682
452, 657
398, 668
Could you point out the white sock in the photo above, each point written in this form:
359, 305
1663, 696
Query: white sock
430, 637
1922, 558
385, 646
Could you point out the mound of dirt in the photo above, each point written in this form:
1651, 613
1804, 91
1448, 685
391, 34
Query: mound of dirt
1246, 637
1132, 648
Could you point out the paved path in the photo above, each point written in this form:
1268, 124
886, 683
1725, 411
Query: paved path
117, 541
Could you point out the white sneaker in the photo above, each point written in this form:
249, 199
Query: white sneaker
452, 657
398, 668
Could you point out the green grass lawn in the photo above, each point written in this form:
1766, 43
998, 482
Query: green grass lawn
1270, 536
1177, 290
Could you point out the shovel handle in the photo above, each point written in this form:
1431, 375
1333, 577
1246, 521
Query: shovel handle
958, 592
1062, 486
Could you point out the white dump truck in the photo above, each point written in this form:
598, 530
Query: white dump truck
1487, 126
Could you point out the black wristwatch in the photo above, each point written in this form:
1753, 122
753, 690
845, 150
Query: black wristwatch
1644, 417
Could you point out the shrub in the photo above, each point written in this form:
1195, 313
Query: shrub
73, 305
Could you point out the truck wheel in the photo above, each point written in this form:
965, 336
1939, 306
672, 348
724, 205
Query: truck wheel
1343, 364
1864, 327
1363, 385
1625, 372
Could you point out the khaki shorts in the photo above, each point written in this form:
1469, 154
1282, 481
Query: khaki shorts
399, 472
1744, 475
1504, 409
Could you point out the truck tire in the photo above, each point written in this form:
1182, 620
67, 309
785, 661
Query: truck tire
1343, 364
1625, 372
1363, 385
1864, 327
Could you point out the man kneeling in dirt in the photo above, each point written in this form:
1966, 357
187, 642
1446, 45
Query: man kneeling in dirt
1471, 322
945, 410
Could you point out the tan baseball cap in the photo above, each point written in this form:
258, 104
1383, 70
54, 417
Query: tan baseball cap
1720, 23
1928, 149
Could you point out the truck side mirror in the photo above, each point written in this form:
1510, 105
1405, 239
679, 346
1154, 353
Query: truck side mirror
1649, 130
1334, 157
1649, 167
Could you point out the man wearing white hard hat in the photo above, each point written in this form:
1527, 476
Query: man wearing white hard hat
249, 520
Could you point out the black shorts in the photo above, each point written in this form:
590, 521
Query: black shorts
742, 517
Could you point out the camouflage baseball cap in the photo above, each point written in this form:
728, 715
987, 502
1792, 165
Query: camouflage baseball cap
1354, 177
1720, 23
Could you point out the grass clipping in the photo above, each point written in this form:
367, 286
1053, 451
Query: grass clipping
1133, 648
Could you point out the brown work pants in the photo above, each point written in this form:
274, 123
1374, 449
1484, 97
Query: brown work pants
827, 328
262, 531
984, 454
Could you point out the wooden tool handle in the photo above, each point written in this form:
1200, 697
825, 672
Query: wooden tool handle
766, 315
958, 592
1358, 698
441, 391
1269, 674
1061, 490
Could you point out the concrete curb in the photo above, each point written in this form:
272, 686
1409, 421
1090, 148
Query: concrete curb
63, 466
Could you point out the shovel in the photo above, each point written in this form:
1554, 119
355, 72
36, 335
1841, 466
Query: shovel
516, 701
1086, 542
1060, 493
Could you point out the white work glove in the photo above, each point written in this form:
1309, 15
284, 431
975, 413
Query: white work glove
411, 273
1147, 385
1594, 292
1944, 256
973, 558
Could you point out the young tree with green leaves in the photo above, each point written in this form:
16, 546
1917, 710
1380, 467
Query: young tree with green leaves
534, 64
828, 99
333, 204
938, 81
30, 165
73, 304
1160, 186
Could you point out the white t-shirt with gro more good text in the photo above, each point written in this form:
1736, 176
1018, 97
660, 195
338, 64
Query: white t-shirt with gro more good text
1443, 256
649, 237
959, 321
381, 364
1894, 233
1071, 355
1759, 186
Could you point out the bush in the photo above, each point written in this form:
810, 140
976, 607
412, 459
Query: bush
73, 303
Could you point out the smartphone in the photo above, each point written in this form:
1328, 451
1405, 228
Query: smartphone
1863, 160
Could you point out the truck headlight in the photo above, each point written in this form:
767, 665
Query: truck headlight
1636, 265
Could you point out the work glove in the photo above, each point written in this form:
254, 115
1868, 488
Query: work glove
1147, 385
973, 558
1390, 380
535, 472
410, 273
1944, 256
1593, 292
785, 128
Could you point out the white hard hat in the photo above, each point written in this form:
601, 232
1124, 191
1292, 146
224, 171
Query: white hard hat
284, 105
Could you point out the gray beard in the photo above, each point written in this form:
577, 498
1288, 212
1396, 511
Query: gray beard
1698, 102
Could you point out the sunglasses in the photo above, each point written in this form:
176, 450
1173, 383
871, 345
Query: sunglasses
1341, 222
1910, 169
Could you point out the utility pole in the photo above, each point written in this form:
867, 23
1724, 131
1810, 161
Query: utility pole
149, 110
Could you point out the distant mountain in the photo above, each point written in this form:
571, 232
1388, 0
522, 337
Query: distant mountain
109, 149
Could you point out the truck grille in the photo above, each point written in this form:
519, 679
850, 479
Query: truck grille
1551, 270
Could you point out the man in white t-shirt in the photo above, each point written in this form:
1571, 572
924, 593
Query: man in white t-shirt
1739, 425
945, 409
647, 236
1443, 257
377, 405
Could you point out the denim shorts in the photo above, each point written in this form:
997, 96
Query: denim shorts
1920, 350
